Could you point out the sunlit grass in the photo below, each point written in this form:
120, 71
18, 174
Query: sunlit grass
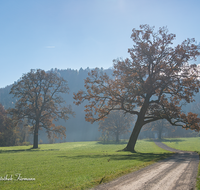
77, 165
187, 144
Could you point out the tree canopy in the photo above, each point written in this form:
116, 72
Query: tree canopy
39, 100
153, 84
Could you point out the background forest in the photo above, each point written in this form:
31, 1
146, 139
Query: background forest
77, 129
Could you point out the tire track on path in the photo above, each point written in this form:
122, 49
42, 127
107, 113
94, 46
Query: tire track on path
177, 172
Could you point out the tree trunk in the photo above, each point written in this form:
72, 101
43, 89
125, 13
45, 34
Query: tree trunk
134, 136
160, 129
138, 126
117, 137
159, 134
35, 137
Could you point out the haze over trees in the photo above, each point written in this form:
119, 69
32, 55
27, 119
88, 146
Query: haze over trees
116, 124
153, 84
160, 126
8, 133
77, 129
39, 100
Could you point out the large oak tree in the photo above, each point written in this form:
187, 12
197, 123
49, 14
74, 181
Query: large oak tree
153, 84
39, 100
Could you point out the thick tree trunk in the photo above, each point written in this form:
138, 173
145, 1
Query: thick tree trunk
138, 126
35, 137
134, 136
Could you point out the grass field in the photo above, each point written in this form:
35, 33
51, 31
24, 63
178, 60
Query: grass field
77, 165
187, 144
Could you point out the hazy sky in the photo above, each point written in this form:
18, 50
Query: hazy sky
65, 34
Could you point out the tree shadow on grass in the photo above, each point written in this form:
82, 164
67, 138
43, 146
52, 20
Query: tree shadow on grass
26, 150
165, 140
172, 140
145, 157
112, 142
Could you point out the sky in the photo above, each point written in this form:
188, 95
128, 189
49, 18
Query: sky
46, 34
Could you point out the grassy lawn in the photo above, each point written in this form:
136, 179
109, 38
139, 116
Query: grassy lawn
188, 144
77, 165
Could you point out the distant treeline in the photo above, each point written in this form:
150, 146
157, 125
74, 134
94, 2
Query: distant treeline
77, 129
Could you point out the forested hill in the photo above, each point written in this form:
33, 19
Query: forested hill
77, 129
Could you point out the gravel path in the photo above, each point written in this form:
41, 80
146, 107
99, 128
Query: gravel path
176, 172
163, 146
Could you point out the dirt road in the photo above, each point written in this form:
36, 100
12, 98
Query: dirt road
177, 172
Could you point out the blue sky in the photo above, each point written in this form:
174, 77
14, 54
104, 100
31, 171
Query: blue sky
65, 34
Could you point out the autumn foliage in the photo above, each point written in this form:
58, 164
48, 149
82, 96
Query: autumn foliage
153, 84
39, 100
8, 133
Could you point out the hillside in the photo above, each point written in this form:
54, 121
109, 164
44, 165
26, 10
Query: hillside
77, 129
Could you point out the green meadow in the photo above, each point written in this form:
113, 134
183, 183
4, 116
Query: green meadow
187, 144
77, 165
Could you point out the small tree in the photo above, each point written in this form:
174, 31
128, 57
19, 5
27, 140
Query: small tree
159, 126
38, 93
116, 124
8, 133
24, 131
152, 84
